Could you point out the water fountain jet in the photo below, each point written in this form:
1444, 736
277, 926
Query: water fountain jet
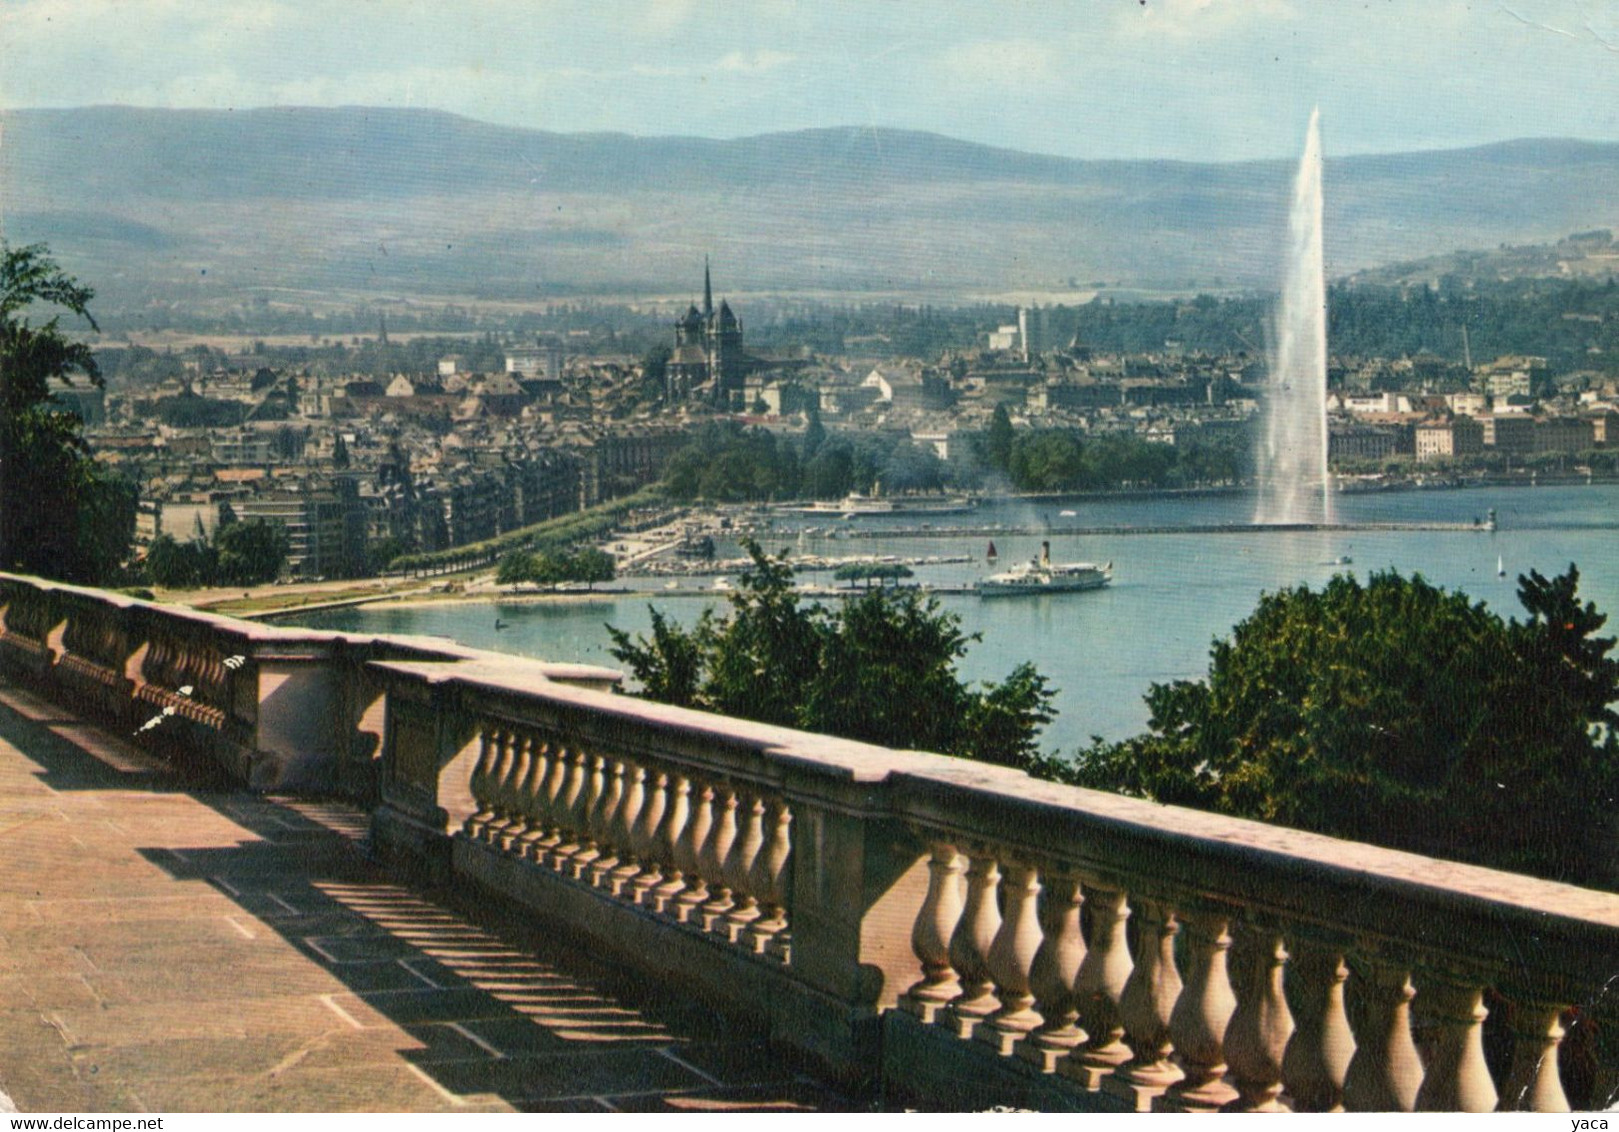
1292, 454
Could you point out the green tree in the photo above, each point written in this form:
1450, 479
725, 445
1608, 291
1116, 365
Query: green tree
380, 552
251, 552
670, 665
868, 572
590, 566
181, 565
1399, 713
998, 440
829, 474
62, 515
654, 369
759, 660
515, 568
881, 667
814, 434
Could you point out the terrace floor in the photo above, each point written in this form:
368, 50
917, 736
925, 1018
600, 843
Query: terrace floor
174, 945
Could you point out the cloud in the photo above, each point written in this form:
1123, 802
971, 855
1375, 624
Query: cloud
1185, 19
1001, 62
735, 62
754, 62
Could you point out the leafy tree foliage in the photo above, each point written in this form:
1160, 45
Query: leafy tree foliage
868, 572
61, 514
1066, 460
584, 565
191, 411
880, 667
244, 553
726, 463
251, 552
181, 565
1399, 713
998, 440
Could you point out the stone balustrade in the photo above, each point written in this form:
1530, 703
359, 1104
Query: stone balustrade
956, 934
1048, 944
275, 708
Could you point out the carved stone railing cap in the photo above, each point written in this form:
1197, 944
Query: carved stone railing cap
1280, 872
823, 755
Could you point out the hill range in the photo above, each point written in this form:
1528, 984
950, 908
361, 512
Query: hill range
217, 206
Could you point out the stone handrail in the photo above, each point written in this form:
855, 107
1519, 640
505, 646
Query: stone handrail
1137, 956
276, 708
1270, 967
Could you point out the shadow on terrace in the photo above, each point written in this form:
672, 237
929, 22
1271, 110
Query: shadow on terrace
186, 945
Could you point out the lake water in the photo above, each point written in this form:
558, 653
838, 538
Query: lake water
1173, 593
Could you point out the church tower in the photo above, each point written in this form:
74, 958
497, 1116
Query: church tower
708, 348
725, 359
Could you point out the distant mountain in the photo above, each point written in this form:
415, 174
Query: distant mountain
213, 205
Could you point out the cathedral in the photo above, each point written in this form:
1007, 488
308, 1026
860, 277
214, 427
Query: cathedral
708, 360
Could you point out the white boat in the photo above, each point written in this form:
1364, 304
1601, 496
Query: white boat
1043, 576
857, 504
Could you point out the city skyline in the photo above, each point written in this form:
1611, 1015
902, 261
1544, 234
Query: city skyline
1200, 80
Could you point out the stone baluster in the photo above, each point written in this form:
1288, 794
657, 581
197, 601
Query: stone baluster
551, 804
535, 816
607, 821
716, 851
969, 947
769, 880
482, 772
522, 822
1318, 1055
1011, 961
1534, 1083
569, 833
1099, 990
1385, 1072
671, 832
1145, 1008
629, 816
693, 845
1457, 1079
502, 790
653, 808
1256, 1038
589, 810
750, 840
517, 795
1053, 973
1202, 1014
931, 934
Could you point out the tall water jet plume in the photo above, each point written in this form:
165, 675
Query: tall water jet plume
1292, 452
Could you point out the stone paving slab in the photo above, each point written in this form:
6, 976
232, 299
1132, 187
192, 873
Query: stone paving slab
167, 945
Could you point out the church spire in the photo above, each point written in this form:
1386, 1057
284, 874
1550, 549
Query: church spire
708, 290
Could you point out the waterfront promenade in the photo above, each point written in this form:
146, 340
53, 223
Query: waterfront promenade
174, 944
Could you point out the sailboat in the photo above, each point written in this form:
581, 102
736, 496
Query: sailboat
990, 553
1500, 567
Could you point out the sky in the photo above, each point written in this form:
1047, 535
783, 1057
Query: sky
1200, 80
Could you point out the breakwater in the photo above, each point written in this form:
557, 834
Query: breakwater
1001, 530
